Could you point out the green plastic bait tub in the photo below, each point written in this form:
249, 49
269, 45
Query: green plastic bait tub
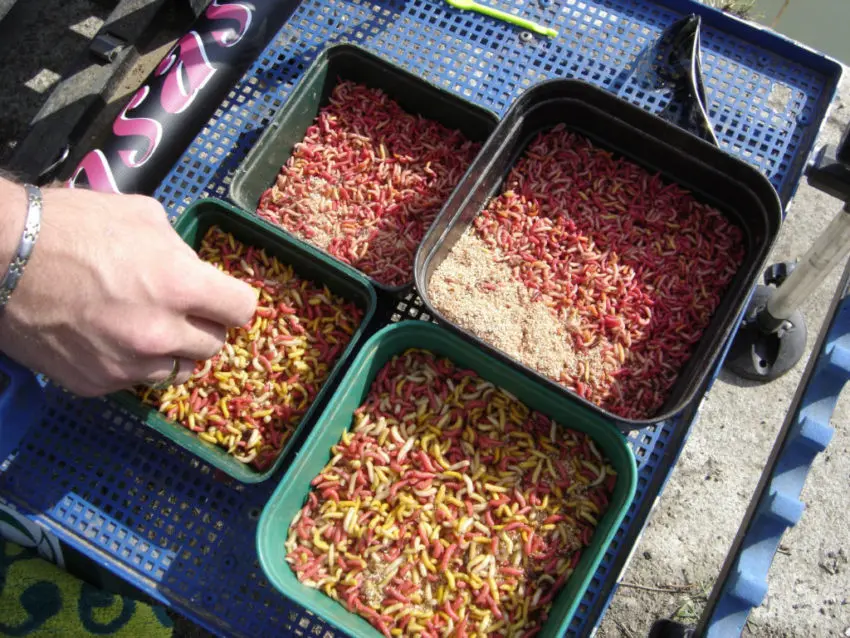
261, 166
292, 492
308, 263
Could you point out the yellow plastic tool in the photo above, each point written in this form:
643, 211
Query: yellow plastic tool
471, 5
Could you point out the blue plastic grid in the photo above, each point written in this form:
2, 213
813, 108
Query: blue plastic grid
766, 108
171, 525
166, 522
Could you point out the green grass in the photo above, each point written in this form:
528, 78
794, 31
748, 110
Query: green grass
692, 603
740, 8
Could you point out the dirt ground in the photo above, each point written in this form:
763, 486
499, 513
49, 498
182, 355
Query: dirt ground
694, 523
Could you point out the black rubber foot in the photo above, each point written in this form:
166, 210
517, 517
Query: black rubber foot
670, 629
761, 356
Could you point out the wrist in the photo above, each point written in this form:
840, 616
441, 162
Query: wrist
25, 245
13, 211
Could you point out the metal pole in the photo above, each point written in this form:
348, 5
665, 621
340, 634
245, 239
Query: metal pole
830, 248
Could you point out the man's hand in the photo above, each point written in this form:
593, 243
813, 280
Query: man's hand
112, 294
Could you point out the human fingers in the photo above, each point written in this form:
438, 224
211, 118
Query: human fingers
198, 339
158, 370
211, 294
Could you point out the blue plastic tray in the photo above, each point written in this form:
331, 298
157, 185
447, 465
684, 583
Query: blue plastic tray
166, 522
767, 95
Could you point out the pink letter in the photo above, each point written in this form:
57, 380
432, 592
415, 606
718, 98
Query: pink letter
98, 174
188, 73
144, 127
238, 12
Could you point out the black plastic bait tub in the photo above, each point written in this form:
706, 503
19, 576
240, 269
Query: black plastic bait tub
736, 189
346, 62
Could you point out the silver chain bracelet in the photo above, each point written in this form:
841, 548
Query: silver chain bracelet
26, 246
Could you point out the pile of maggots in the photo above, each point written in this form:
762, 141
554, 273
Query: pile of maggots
449, 508
367, 181
631, 266
250, 397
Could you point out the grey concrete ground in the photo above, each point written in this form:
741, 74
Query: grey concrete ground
697, 517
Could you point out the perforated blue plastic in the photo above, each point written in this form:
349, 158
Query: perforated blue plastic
767, 108
778, 506
117, 491
19, 394
164, 521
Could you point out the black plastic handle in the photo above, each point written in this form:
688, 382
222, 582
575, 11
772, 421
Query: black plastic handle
673, 64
